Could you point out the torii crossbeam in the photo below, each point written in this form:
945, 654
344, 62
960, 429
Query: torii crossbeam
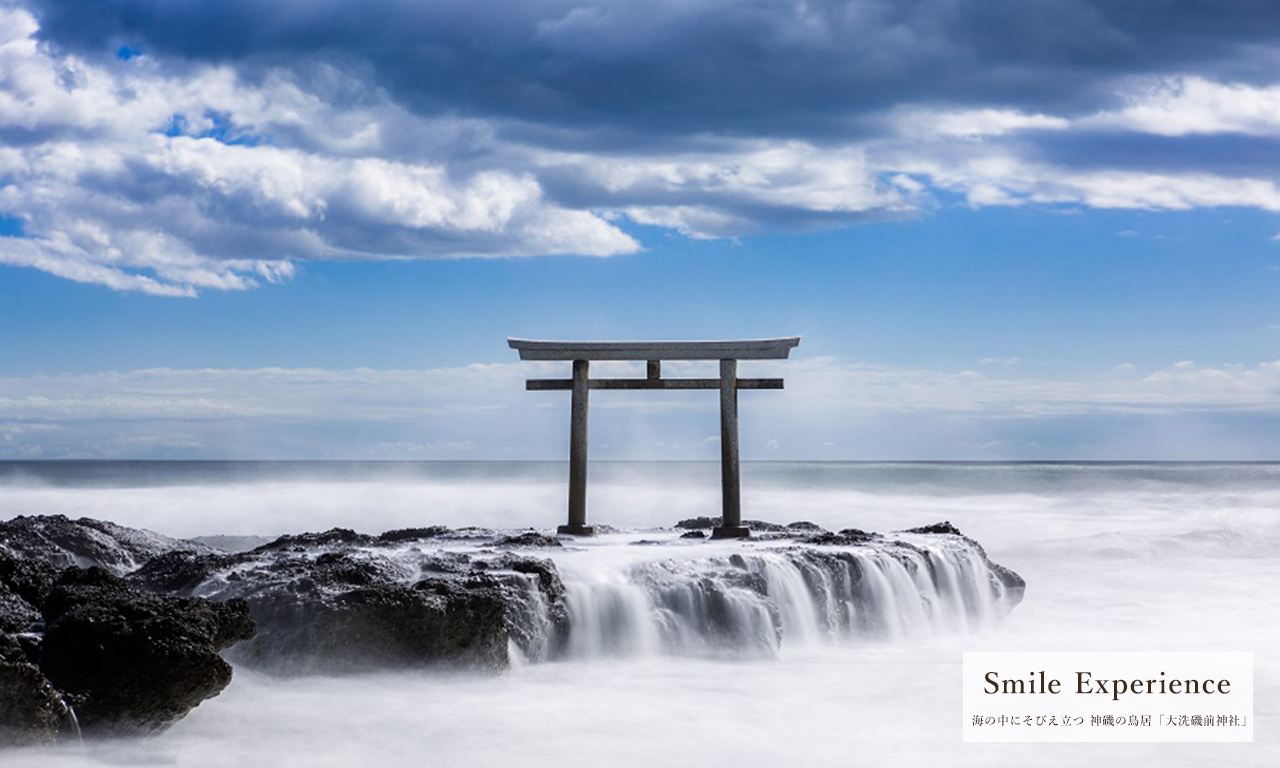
581, 353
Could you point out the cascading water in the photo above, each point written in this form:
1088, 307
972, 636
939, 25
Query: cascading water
71, 727
615, 595
530, 620
755, 602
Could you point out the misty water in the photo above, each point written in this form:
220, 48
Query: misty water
1117, 557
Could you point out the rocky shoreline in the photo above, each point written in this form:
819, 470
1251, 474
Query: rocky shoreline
118, 631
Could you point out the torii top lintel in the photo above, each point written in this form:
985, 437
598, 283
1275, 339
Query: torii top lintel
740, 349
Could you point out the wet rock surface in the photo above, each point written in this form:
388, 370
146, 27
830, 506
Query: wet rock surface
78, 642
132, 661
31, 711
125, 628
339, 601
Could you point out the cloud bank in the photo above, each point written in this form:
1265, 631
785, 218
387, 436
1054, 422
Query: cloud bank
213, 145
830, 409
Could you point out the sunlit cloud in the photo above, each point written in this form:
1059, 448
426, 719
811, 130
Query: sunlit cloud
214, 146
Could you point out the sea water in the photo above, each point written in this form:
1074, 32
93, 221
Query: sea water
1117, 557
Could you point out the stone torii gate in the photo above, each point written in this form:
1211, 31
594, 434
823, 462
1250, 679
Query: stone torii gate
581, 353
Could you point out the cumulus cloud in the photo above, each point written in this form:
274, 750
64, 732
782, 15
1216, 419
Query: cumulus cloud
128, 176
177, 147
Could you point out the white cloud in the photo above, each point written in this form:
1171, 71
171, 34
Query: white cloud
793, 178
259, 175
700, 222
1002, 178
971, 123
1181, 106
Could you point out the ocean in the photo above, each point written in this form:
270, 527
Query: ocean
1136, 557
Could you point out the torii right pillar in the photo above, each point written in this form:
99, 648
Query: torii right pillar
731, 526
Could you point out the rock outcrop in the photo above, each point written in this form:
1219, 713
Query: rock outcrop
80, 644
126, 630
342, 601
131, 661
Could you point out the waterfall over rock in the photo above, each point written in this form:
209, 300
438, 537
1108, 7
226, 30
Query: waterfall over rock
755, 602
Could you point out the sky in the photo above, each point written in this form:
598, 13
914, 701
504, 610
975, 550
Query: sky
304, 229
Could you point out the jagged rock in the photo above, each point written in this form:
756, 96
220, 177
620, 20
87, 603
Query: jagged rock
26, 579
182, 571
693, 535
128, 660
943, 527
60, 649
339, 602
131, 661
846, 537
530, 539
31, 711
700, 523
59, 543
412, 534
228, 543
374, 627
16, 614
302, 541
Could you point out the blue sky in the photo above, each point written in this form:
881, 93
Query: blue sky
1006, 230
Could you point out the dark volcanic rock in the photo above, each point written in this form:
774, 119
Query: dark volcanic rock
59, 542
28, 580
31, 711
412, 534
340, 602
529, 539
181, 572
845, 537
131, 661
16, 614
944, 527
73, 633
378, 626
702, 523
304, 541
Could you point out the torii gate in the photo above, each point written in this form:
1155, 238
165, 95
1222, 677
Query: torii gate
654, 352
